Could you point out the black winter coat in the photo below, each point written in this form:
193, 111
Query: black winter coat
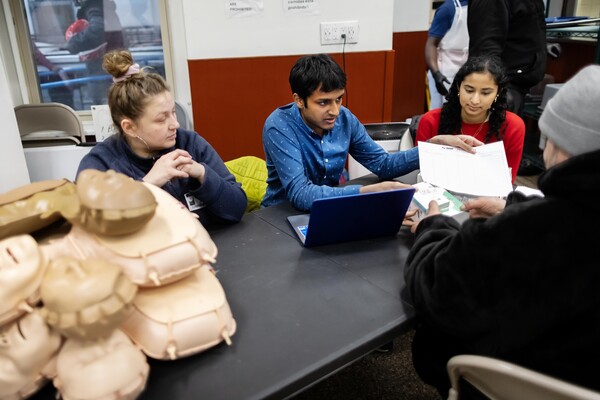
515, 31
99, 30
523, 286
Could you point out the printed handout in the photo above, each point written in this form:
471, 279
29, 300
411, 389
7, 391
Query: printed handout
484, 173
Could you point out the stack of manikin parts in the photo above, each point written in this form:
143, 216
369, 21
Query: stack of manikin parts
130, 276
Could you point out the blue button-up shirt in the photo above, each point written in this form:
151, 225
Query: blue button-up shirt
303, 166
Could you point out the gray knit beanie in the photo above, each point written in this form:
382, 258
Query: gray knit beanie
572, 117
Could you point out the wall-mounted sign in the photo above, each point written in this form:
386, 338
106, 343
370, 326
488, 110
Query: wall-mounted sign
243, 8
301, 6
103, 123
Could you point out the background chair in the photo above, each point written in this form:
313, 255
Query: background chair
251, 172
501, 380
183, 116
48, 124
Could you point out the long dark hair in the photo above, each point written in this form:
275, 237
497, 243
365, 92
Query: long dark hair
450, 120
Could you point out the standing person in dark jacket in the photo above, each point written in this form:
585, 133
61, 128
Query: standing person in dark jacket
60, 94
515, 31
518, 281
101, 32
150, 146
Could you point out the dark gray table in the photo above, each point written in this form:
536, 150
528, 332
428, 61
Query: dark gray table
302, 314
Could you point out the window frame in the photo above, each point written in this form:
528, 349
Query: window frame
25, 64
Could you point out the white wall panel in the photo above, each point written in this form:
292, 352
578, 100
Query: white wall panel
411, 15
13, 169
212, 34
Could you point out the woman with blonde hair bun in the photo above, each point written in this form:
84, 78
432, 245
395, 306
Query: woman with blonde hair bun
152, 147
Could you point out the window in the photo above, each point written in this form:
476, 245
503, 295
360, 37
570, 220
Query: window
63, 42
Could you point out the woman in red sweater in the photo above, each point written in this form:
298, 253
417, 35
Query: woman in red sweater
476, 106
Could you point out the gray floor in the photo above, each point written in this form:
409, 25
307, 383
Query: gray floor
375, 377
382, 376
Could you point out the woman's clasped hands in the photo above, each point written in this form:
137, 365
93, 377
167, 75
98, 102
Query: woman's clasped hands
176, 164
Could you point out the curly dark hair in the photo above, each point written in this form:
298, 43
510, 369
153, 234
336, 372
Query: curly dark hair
450, 119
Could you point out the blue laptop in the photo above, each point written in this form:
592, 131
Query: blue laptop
353, 217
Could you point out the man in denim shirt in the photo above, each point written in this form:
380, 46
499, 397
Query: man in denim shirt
307, 142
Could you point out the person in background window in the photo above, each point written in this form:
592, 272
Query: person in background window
515, 31
60, 94
150, 146
307, 142
96, 31
518, 280
446, 49
476, 107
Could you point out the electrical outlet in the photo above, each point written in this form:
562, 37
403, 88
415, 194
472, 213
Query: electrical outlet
331, 32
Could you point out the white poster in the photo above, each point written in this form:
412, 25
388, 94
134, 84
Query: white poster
243, 8
310, 7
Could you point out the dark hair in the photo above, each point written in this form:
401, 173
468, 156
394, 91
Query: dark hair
312, 72
450, 119
129, 96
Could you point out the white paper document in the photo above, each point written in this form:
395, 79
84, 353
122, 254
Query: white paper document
484, 173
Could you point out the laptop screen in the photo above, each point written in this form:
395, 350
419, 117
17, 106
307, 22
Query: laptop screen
353, 217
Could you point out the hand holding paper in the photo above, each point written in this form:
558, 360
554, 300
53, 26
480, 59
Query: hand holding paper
465, 142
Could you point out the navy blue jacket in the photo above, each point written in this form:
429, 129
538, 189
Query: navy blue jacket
224, 198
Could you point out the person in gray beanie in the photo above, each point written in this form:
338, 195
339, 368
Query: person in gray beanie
572, 123
518, 280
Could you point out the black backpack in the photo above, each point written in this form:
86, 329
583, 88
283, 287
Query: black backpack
414, 124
